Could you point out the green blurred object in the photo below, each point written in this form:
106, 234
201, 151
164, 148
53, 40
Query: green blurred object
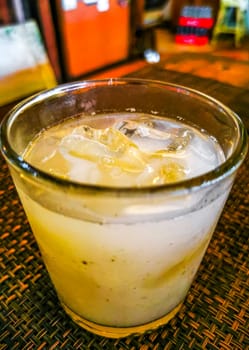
232, 19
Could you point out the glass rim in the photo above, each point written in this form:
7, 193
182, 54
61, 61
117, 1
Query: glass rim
207, 179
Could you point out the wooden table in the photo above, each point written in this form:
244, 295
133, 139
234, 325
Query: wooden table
215, 314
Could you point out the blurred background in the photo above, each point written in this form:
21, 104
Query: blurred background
45, 42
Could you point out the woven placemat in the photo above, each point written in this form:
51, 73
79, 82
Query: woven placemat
215, 314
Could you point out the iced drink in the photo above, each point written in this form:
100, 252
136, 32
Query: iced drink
105, 268
125, 224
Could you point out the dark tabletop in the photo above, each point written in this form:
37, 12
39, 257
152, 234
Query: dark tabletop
215, 314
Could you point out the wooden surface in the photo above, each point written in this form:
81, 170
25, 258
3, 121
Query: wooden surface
224, 78
212, 66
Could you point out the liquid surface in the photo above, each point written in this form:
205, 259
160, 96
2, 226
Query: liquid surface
125, 150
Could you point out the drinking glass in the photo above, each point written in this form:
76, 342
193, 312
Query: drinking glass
123, 258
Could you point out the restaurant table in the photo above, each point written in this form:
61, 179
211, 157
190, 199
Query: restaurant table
215, 314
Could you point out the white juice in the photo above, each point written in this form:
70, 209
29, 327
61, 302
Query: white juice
114, 260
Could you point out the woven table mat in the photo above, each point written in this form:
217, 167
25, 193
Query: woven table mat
215, 314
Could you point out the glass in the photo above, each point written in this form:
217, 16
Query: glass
119, 275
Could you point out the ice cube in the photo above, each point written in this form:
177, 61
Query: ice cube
171, 139
78, 146
108, 148
125, 154
45, 151
180, 139
87, 132
170, 172
161, 171
116, 159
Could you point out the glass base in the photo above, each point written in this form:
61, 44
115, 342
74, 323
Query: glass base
119, 332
